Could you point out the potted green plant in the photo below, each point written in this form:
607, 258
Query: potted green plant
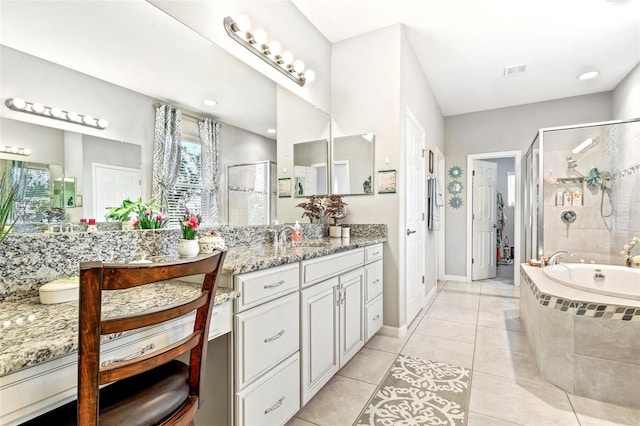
312, 208
7, 198
335, 208
147, 214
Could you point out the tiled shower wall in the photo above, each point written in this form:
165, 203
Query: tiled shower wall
592, 237
625, 162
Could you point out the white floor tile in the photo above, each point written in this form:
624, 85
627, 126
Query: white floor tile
595, 413
447, 330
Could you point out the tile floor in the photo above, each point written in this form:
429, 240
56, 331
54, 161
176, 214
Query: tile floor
475, 325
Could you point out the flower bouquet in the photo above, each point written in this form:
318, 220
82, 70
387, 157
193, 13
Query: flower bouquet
189, 224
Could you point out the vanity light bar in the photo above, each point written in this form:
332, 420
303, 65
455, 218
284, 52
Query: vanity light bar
256, 42
35, 108
15, 150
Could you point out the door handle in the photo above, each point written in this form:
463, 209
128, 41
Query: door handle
495, 226
409, 232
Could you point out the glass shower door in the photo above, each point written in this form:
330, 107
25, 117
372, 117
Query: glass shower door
251, 193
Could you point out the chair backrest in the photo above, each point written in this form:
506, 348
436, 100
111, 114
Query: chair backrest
96, 277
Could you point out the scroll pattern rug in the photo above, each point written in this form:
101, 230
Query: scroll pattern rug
419, 392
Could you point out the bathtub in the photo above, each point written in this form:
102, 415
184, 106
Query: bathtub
584, 333
610, 280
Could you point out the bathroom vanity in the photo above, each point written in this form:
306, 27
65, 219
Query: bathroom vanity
290, 318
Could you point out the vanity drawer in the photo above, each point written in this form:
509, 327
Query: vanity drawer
373, 252
221, 320
265, 285
265, 336
273, 399
322, 268
373, 317
373, 280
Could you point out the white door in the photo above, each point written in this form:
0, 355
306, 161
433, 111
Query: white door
484, 220
111, 185
351, 315
414, 217
319, 327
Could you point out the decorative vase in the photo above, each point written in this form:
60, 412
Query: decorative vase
346, 232
335, 231
188, 248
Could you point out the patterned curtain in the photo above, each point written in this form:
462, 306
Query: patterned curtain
209, 138
18, 176
166, 152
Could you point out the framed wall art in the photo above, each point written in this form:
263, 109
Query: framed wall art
387, 181
284, 187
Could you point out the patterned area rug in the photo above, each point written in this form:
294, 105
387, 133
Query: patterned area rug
419, 392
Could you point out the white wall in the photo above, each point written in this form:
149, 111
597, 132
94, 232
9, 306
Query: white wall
504, 129
626, 96
371, 97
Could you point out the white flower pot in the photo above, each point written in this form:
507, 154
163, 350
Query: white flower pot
188, 248
346, 232
335, 231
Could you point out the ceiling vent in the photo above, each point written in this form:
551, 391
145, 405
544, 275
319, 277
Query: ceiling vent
514, 70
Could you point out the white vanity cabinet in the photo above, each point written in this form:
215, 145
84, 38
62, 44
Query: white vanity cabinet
332, 317
373, 290
267, 345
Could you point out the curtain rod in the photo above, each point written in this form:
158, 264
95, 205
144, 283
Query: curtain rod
184, 114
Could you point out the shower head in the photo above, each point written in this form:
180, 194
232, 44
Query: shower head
571, 163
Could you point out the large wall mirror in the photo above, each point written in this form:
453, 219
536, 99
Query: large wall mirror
352, 164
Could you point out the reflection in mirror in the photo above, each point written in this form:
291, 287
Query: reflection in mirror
252, 193
310, 161
64, 192
352, 164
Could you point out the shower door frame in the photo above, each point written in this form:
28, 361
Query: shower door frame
540, 182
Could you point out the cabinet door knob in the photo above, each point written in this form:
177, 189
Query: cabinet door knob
409, 231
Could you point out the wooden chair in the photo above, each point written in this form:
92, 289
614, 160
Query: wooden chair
153, 388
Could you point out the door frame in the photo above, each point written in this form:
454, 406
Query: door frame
516, 156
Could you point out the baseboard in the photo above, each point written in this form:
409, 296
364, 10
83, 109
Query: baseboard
398, 332
430, 297
461, 278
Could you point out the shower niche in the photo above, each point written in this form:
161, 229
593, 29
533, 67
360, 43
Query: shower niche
592, 170
251, 193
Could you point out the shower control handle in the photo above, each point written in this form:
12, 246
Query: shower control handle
568, 216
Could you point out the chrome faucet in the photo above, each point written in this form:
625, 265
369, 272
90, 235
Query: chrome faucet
553, 259
282, 235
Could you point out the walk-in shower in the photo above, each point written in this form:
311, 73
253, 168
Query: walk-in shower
593, 171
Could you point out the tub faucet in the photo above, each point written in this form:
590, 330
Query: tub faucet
553, 259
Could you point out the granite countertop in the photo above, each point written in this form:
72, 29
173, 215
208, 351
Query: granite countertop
32, 333
240, 260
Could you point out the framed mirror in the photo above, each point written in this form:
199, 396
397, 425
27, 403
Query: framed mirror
310, 168
352, 164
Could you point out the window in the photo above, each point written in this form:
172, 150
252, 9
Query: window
511, 189
188, 190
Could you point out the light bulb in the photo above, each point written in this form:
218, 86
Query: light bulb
73, 116
287, 57
55, 112
26, 151
102, 123
39, 108
243, 23
14, 149
309, 75
19, 103
3, 148
87, 119
298, 66
260, 37
275, 48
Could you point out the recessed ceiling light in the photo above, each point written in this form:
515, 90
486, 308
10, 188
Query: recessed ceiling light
272, 131
210, 102
588, 75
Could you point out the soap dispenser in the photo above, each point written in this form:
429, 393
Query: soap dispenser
297, 234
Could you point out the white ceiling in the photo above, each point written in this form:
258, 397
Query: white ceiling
464, 45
